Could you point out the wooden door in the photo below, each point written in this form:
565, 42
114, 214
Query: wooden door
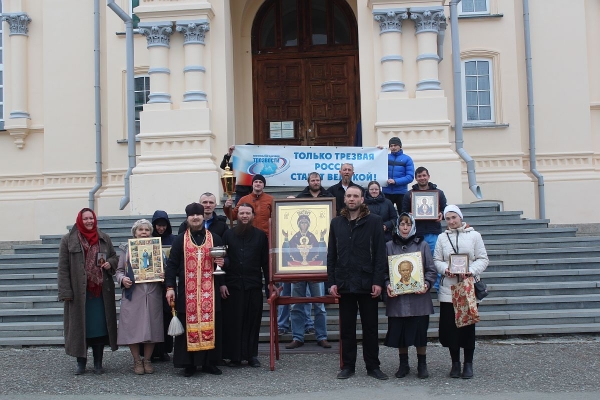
305, 73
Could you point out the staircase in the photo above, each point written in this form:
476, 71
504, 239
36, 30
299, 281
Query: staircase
541, 280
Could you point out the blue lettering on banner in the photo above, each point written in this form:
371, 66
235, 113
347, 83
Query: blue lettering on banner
328, 166
312, 156
355, 156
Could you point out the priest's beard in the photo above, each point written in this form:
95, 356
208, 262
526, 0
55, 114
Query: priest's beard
242, 229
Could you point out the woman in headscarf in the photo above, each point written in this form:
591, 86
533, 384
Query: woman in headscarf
87, 290
408, 314
141, 317
381, 206
161, 227
457, 239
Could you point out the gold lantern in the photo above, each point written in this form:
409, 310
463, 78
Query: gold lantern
228, 182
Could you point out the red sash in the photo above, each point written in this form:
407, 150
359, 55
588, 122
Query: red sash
199, 294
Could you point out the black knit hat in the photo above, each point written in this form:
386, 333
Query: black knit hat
194, 209
259, 177
395, 140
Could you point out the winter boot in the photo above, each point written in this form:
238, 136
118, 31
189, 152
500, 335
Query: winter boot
98, 352
404, 368
81, 361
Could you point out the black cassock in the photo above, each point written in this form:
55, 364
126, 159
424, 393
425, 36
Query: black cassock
242, 310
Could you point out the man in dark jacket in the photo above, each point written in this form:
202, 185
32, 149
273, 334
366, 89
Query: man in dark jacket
339, 189
314, 188
248, 252
356, 265
429, 229
216, 224
401, 172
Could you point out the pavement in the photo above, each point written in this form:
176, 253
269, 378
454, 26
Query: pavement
548, 368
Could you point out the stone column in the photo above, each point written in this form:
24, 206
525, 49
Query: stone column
158, 37
390, 32
19, 116
429, 21
194, 33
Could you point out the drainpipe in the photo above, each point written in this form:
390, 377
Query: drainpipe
130, 99
531, 114
98, 185
458, 115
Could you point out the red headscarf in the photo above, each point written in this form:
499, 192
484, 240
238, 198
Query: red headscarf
90, 235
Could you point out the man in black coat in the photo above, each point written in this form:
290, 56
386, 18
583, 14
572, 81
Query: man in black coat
216, 224
339, 189
248, 252
356, 265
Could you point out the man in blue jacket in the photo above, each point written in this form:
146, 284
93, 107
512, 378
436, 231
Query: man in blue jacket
401, 172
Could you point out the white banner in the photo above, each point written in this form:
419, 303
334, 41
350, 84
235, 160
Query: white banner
291, 165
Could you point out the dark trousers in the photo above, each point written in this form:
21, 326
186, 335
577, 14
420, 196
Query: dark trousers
350, 303
397, 200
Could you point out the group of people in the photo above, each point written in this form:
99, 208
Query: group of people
221, 314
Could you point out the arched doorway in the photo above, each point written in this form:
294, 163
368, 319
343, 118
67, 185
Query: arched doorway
305, 73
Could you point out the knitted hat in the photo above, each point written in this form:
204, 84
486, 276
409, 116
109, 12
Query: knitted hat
259, 177
395, 140
454, 209
194, 209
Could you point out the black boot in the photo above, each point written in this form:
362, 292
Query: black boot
404, 368
98, 352
422, 372
81, 361
455, 371
467, 371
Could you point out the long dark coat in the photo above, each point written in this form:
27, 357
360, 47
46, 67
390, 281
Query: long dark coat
72, 283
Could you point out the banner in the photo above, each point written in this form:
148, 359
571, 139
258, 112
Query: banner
291, 165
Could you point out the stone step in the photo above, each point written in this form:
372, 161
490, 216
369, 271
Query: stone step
32, 289
543, 264
24, 278
544, 253
543, 288
516, 224
498, 216
533, 242
538, 233
540, 303
40, 330
32, 268
559, 275
28, 258
37, 248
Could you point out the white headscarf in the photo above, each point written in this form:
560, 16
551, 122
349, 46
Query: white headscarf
453, 208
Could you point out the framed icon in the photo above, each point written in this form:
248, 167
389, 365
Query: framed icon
299, 238
458, 263
425, 204
406, 273
146, 259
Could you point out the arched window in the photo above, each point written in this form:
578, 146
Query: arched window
303, 25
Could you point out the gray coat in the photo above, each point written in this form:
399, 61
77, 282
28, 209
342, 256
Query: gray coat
72, 283
412, 305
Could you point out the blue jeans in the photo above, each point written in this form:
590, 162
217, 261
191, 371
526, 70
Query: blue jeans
283, 312
431, 239
298, 311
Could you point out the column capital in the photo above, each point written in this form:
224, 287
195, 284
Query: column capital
390, 20
428, 19
194, 32
18, 23
157, 33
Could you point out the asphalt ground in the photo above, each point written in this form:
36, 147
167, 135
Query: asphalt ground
546, 368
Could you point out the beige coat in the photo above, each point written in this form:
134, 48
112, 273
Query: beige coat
72, 283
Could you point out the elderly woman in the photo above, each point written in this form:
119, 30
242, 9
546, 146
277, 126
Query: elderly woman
378, 204
408, 314
141, 319
457, 239
87, 290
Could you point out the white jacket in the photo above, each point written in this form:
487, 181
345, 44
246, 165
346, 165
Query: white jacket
469, 242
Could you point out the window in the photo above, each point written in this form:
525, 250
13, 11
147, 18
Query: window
142, 91
478, 95
1, 72
136, 19
470, 7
